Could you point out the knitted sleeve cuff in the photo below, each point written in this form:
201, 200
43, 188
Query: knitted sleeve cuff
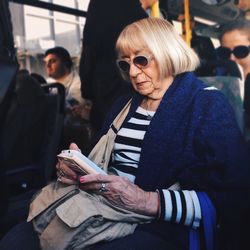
161, 215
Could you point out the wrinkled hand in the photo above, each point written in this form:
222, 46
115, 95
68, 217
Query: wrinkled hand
122, 193
64, 173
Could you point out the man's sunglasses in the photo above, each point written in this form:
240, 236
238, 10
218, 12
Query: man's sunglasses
139, 61
239, 52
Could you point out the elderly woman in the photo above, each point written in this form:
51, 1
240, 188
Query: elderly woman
177, 131
179, 139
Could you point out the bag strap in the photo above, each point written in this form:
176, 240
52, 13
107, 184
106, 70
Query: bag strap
116, 124
209, 224
101, 152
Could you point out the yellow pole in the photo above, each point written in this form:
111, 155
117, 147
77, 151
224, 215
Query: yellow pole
188, 35
155, 10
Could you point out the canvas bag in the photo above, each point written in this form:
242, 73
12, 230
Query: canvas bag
43, 208
81, 219
55, 192
101, 153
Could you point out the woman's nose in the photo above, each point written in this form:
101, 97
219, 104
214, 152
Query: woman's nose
134, 70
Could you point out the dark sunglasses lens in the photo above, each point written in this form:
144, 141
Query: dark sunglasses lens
241, 51
123, 65
224, 53
141, 61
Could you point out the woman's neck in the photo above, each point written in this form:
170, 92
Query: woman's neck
160, 91
150, 104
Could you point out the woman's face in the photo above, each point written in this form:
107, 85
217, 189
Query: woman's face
146, 80
236, 38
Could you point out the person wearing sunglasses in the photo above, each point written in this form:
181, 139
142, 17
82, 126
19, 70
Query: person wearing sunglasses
235, 43
179, 142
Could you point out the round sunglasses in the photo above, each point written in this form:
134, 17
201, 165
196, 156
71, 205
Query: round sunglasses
239, 52
139, 61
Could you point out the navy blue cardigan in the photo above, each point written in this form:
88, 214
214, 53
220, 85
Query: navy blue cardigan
194, 139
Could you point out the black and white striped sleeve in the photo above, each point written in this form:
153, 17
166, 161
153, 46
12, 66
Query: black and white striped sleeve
180, 206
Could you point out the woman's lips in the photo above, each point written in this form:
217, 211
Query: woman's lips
141, 83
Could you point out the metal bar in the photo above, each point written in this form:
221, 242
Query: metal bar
187, 22
155, 10
52, 7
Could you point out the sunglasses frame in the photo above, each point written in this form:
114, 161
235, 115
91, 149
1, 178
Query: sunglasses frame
149, 59
233, 51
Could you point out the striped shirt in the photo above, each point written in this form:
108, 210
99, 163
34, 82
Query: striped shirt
179, 206
128, 142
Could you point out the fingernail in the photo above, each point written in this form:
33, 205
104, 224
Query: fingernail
82, 179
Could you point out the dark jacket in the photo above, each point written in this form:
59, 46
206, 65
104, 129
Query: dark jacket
194, 139
100, 78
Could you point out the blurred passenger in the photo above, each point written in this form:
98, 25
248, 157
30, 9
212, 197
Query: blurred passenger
235, 44
59, 67
153, 8
101, 81
24, 120
147, 5
244, 6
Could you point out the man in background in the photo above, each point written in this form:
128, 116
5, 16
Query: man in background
59, 68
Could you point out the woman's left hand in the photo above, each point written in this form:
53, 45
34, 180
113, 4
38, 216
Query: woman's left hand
122, 193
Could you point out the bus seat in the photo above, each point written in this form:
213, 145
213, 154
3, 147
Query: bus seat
8, 69
231, 88
56, 118
31, 139
24, 120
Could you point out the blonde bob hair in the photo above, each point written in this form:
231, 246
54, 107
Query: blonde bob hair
172, 55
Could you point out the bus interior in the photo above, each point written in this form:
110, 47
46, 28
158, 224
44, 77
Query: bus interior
20, 180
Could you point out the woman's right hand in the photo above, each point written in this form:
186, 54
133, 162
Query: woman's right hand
64, 173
